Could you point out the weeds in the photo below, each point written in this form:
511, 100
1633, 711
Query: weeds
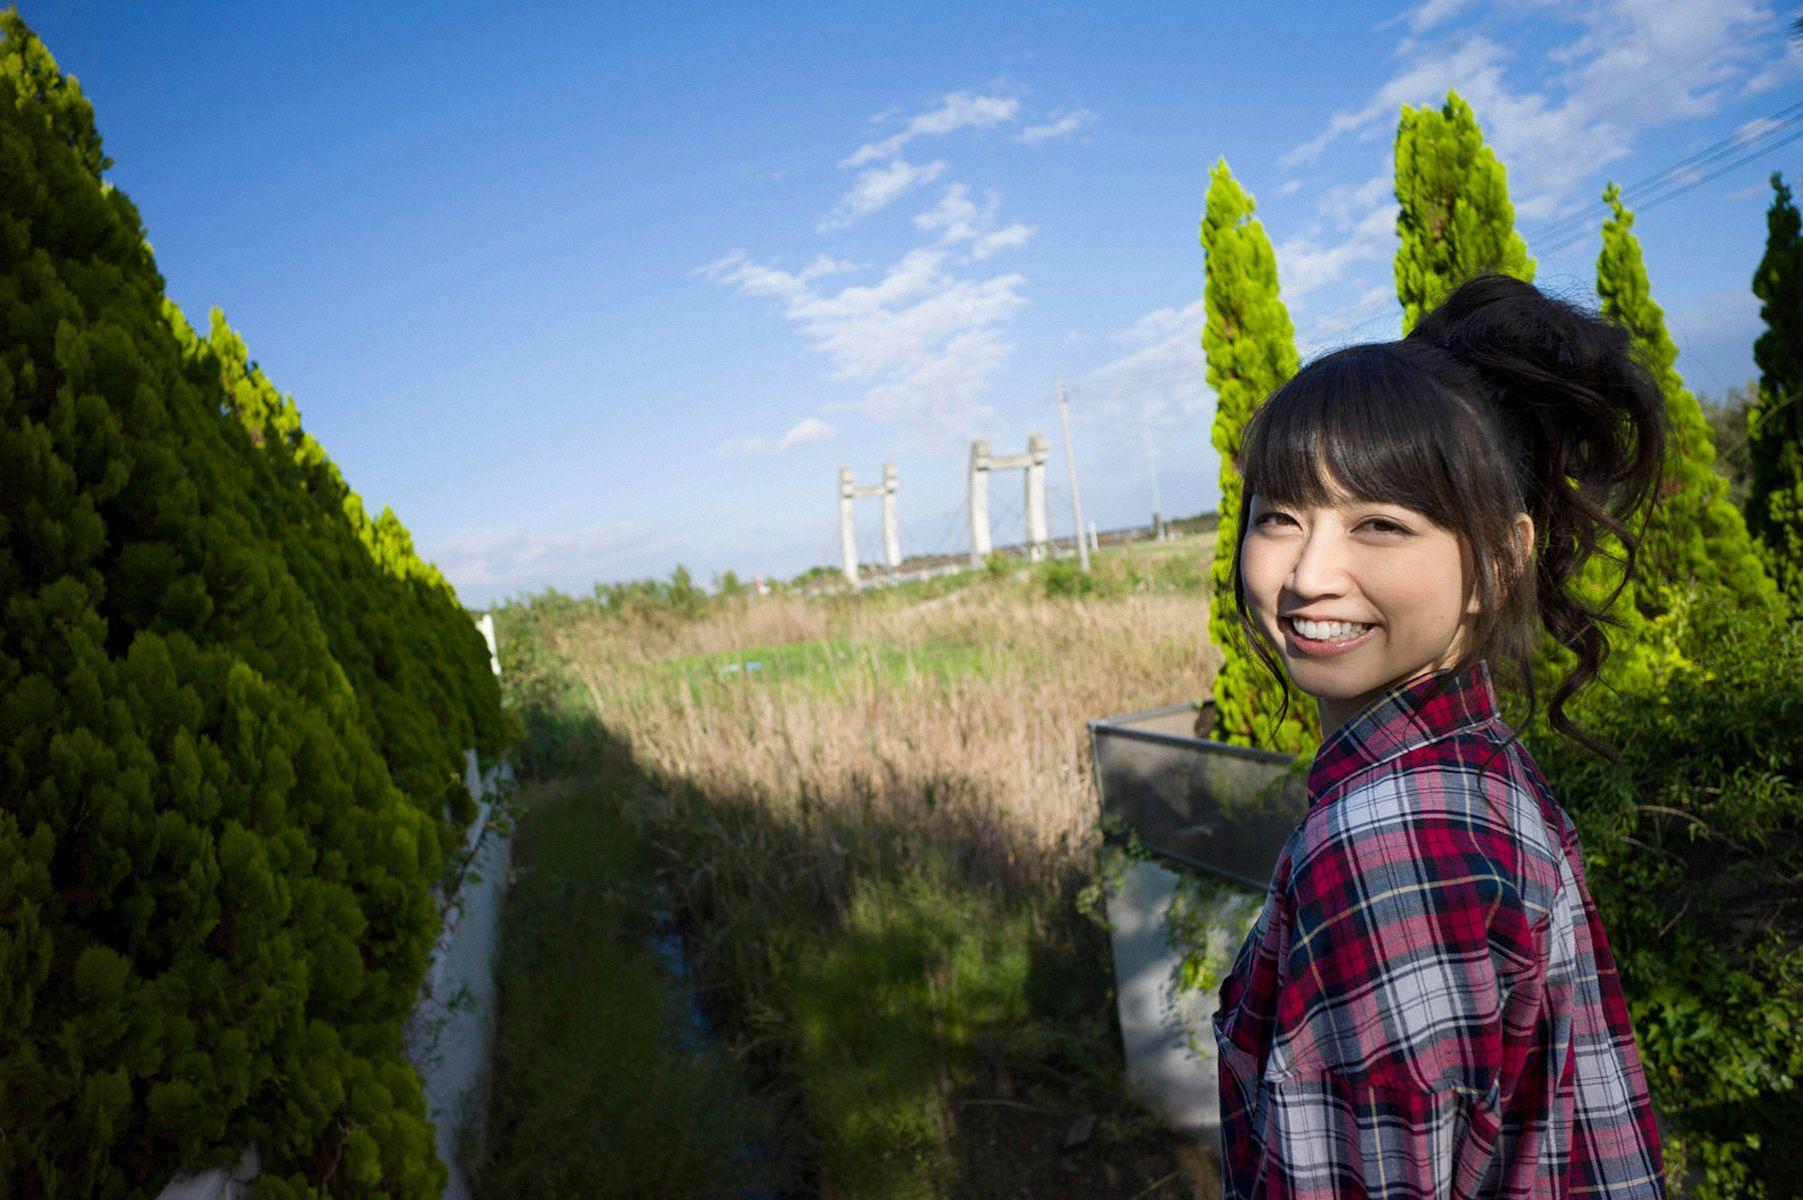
876, 841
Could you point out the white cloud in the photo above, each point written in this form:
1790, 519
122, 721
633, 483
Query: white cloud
1427, 78
1427, 15
1373, 316
1787, 65
958, 110
922, 340
1632, 65
957, 218
1162, 382
496, 562
1061, 125
1306, 265
809, 431
1014, 235
877, 188
1290, 187
1756, 128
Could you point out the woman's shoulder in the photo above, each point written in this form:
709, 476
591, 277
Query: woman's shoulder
1468, 803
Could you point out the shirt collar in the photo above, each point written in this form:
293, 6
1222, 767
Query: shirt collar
1402, 718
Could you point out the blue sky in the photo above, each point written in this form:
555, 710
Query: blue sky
585, 291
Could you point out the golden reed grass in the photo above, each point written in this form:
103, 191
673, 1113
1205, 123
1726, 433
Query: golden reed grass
987, 757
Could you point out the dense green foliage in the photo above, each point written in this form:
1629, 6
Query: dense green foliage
1727, 416
1775, 426
1251, 349
231, 719
1693, 846
1456, 219
1695, 541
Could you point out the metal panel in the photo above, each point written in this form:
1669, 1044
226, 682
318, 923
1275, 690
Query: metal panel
1205, 804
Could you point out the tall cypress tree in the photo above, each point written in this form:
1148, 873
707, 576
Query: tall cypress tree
1775, 426
1456, 219
1251, 349
1694, 538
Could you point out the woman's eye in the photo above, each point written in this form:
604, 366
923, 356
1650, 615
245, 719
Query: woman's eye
1269, 519
1380, 525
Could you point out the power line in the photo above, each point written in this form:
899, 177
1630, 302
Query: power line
1644, 206
1678, 173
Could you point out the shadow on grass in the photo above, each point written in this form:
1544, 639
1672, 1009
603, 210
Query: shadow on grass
902, 1014
600, 1087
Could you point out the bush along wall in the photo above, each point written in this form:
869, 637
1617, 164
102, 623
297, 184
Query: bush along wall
1693, 844
231, 712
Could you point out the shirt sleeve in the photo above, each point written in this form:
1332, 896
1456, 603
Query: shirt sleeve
1410, 992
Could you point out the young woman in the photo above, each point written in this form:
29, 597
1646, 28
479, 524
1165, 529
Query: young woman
1427, 1005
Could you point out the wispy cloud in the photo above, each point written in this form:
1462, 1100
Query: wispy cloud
1427, 15
1631, 65
958, 219
808, 431
877, 188
922, 340
1307, 264
1061, 125
1161, 382
487, 563
958, 110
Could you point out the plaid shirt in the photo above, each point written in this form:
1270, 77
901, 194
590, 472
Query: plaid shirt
1427, 1006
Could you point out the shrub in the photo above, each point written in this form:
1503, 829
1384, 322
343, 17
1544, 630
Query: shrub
1692, 846
225, 743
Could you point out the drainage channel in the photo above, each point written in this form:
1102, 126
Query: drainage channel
692, 1032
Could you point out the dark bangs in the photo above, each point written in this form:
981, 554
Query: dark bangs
1375, 423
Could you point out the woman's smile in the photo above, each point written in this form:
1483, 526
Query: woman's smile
1324, 639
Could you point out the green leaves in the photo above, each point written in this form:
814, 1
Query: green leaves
1693, 842
229, 711
1774, 506
1251, 350
1455, 219
1694, 538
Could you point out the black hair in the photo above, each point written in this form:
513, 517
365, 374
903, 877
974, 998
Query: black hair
1501, 401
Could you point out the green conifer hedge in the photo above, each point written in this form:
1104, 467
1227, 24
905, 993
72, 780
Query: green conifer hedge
1695, 546
1455, 218
1775, 426
232, 711
1251, 349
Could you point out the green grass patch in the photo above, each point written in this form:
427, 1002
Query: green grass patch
600, 1089
823, 661
888, 1013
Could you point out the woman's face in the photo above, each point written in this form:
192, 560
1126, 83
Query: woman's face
1355, 596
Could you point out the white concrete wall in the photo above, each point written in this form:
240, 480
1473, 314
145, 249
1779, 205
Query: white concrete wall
451, 1031
1173, 1072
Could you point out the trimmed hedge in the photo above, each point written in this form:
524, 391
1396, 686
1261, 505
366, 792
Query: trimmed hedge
232, 715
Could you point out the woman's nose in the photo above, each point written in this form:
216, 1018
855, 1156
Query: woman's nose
1320, 568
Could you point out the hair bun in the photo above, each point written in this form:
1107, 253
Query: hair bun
1587, 423
1569, 375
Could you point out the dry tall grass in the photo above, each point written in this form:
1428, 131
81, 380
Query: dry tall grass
988, 758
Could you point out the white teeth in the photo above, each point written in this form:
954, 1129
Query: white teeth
1328, 631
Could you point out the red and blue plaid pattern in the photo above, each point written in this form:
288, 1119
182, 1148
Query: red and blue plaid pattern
1427, 1005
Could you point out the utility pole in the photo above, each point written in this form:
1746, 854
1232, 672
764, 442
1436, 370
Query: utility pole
1070, 465
1157, 504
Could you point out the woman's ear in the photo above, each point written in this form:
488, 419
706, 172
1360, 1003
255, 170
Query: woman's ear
1521, 555
1523, 535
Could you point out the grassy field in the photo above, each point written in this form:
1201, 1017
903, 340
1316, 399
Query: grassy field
873, 818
